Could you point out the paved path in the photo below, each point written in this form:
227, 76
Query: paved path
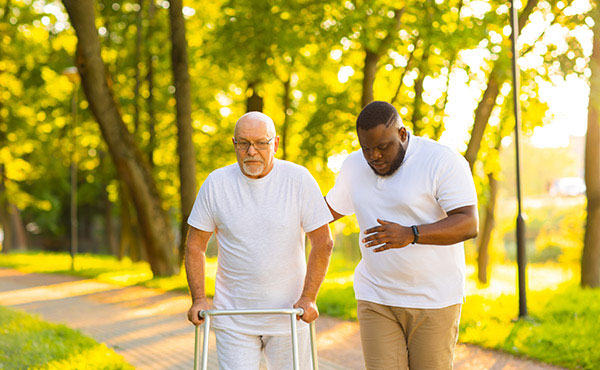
149, 327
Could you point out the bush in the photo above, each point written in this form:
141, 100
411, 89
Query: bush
554, 230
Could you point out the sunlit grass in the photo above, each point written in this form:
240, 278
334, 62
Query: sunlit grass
29, 343
104, 268
503, 279
562, 327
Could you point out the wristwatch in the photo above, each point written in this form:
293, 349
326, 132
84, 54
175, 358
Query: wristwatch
415, 231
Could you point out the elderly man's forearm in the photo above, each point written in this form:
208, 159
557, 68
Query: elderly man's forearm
195, 261
318, 262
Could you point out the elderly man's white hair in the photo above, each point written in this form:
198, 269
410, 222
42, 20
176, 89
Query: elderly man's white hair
258, 116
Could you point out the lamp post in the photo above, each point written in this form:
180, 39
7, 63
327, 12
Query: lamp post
73, 76
521, 251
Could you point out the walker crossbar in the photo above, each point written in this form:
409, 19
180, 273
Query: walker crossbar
292, 312
285, 311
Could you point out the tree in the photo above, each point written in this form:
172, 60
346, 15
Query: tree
185, 145
497, 76
131, 166
10, 220
372, 56
590, 260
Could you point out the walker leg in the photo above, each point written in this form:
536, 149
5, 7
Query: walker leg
197, 348
206, 337
313, 346
295, 341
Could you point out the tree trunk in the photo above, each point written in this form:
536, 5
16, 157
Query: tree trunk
286, 116
486, 233
15, 236
185, 144
488, 101
130, 241
7, 242
482, 116
150, 81
136, 59
5, 225
131, 166
20, 236
590, 259
417, 116
6, 10
372, 57
369, 72
255, 101
125, 229
109, 229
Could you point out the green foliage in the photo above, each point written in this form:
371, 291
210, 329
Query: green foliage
27, 342
234, 43
554, 228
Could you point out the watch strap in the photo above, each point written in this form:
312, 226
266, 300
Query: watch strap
415, 231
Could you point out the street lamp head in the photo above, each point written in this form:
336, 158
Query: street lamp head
71, 73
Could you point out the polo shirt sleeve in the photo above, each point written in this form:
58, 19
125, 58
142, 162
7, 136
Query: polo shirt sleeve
339, 196
454, 186
314, 209
201, 216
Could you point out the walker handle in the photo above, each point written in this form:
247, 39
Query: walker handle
282, 311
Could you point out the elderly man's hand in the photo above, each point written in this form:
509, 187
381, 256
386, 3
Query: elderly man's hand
311, 312
198, 305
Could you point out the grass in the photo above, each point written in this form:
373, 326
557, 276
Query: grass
103, 268
563, 327
26, 342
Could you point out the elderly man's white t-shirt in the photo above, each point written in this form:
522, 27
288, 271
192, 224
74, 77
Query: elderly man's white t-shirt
431, 181
259, 226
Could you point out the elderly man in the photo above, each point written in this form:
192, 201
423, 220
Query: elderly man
259, 210
415, 203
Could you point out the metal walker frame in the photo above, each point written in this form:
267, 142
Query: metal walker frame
292, 312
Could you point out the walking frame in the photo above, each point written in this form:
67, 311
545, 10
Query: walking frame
292, 312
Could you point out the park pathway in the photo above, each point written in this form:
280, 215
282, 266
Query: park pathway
149, 327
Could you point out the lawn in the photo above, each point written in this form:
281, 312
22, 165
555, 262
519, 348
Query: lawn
563, 327
26, 342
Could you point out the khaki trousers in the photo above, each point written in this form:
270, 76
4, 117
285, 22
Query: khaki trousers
397, 338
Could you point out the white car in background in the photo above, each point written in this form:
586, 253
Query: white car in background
568, 186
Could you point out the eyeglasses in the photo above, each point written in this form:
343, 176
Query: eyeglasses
245, 145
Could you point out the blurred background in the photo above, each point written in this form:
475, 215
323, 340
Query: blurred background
112, 113
311, 65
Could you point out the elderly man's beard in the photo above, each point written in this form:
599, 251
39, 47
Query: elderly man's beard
253, 169
395, 163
